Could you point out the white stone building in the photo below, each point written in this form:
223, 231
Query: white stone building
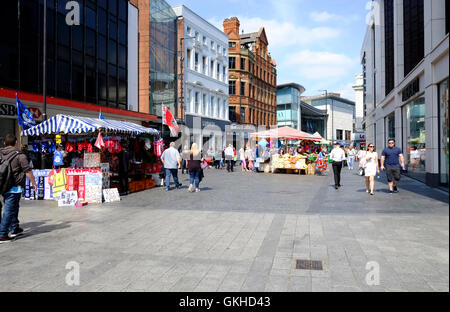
205, 81
405, 59
359, 135
341, 115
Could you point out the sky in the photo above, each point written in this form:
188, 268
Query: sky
316, 43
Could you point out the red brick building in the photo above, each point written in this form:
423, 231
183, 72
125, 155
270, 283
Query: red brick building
252, 77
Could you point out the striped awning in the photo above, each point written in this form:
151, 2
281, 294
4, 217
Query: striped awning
65, 124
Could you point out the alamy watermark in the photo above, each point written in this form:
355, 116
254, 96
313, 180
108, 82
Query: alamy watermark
73, 276
73, 16
373, 276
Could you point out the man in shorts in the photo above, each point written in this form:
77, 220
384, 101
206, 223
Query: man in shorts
393, 161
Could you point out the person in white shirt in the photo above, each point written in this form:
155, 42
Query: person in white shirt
351, 153
371, 168
229, 155
414, 158
337, 155
171, 160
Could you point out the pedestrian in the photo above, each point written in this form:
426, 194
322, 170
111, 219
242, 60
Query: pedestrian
229, 155
222, 158
13, 188
344, 162
124, 165
414, 158
185, 157
338, 156
250, 159
371, 168
171, 160
210, 157
242, 158
194, 166
351, 157
256, 157
393, 161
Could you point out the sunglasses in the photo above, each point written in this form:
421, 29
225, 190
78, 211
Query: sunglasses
391, 143
371, 146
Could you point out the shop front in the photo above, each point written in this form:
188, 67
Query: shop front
206, 132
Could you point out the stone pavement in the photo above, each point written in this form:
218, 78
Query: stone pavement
243, 232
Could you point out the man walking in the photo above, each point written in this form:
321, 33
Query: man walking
9, 227
338, 156
392, 160
171, 160
229, 154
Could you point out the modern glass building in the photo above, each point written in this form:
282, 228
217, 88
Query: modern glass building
163, 57
288, 105
86, 62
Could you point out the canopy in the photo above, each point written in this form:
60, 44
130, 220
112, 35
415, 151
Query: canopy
323, 141
76, 125
285, 133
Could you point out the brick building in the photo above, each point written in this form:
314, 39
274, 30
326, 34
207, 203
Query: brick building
252, 77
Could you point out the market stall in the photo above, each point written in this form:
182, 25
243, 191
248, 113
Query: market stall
299, 160
85, 160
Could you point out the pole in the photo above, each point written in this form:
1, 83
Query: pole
44, 65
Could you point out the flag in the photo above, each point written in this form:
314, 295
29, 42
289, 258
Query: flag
168, 120
100, 144
100, 116
24, 116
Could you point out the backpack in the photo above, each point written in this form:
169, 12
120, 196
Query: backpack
7, 179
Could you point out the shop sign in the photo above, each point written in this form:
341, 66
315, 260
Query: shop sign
8, 110
410, 90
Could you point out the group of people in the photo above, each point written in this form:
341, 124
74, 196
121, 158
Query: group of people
392, 161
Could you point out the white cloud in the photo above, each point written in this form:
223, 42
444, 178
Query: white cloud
317, 65
321, 17
284, 34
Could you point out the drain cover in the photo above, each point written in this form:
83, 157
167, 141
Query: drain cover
309, 265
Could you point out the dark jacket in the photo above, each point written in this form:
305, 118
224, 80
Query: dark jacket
20, 164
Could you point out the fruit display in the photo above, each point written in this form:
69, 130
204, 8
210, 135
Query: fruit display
287, 161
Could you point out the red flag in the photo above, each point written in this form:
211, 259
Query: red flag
99, 143
168, 120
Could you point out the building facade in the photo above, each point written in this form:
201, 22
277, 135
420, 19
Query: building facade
203, 83
90, 67
252, 77
340, 112
288, 105
359, 135
405, 58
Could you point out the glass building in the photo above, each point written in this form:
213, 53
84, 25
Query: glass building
163, 57
86, 62
288, 105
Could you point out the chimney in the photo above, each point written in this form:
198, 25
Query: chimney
231, 25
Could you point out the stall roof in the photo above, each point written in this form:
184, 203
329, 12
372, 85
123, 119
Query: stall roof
76, 125
285, 133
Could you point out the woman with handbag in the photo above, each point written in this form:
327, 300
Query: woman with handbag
371, 168
362, 161
194, 165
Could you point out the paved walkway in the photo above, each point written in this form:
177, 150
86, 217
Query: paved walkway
243, 232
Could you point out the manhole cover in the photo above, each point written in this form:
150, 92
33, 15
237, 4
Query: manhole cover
309, 265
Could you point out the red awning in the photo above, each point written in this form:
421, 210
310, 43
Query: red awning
285, 133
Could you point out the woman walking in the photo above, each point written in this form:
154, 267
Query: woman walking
351, 153
194, 167
242, 158
371, 168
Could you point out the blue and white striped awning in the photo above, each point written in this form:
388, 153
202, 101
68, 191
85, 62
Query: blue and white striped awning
65, 124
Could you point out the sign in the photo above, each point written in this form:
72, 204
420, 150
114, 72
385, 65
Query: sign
111, 195
91, 160
410, 90
8, 110
36, 112
67, 198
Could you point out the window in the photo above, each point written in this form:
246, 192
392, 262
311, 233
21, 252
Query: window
348, 135
389, 44
213, 109
113, 7
224, 52
188, 102
390, 126
188, 31
232, 63
232, 87
242, 63
197, 103
224, 73
188, 58
205, 105
102, 24
212, 69
242, 88
232, 114
212, 45
413, 34
218, 71
196, 62
242, 119
232, 44
112, 52
339, 134
197, 38
90, 18
204, 40
204, 65
219, 108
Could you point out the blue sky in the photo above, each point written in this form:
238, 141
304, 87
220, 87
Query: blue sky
316, 43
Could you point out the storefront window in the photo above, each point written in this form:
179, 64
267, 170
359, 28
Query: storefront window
390, 126
443, 131
415, 151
